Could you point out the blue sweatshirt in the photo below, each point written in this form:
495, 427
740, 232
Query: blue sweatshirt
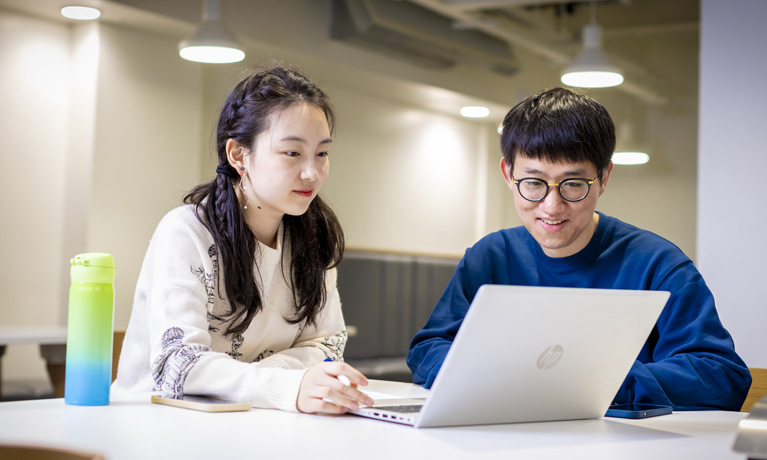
689, 360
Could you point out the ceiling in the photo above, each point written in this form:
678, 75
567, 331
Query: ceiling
494, 33
439, 55
516, 43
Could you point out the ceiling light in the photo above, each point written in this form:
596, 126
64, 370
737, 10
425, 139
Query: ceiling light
475, 111
591, 68
212, 43
81, 13
630, 149
630, 158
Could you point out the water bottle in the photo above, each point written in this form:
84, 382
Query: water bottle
90, 330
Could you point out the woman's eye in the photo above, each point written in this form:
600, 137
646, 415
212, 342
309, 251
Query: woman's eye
322, 154
292, 154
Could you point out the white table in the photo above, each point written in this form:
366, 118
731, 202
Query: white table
133, 428
52, 341
53, 335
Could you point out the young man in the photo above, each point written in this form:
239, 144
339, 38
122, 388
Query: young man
557, 149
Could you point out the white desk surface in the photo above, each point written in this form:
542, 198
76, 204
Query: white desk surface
133, 428
53, 335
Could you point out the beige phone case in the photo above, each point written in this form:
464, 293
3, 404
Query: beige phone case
203, 403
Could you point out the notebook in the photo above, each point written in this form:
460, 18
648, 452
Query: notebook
531, 354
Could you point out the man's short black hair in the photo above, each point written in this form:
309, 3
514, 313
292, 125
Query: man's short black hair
559, 125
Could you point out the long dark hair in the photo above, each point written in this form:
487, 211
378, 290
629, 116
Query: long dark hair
315, 239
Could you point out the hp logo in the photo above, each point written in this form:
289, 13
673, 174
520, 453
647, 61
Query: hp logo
550, 357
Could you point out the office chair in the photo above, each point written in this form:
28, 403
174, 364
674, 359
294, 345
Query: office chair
758, 388
26, 452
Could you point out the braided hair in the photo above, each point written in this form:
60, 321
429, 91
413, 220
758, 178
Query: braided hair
315, 238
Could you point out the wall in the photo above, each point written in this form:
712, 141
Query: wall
147, 147
34, 88
732, 251
387, 154
87, 164
660, 195
423, 178
130, 132
667, 57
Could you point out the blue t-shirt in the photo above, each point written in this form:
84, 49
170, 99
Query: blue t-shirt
689, 360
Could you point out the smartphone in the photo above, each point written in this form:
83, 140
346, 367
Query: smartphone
203, 403
637, 410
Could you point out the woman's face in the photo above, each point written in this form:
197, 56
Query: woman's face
289, 161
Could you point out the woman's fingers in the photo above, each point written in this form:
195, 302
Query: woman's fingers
350, 391
355, 377
350, 378
331, 387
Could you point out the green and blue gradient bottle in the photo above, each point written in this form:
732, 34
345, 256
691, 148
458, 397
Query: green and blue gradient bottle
90, 330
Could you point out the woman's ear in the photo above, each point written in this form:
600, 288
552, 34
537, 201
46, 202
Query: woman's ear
235, 153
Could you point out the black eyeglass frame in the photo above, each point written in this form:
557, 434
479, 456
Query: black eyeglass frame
589, 182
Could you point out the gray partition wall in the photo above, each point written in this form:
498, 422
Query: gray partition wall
386, 298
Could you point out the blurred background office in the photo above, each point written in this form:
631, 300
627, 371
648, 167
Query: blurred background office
103, 128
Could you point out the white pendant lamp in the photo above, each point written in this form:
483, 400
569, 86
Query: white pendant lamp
591, 68
629, 151
212, 43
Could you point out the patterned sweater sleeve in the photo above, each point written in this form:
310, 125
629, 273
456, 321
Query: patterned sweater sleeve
178, 290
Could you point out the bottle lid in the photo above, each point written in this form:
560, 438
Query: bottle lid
93, 267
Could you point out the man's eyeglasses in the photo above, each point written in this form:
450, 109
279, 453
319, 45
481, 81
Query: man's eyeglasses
533, 189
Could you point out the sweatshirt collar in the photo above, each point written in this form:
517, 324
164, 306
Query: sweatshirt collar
582, 257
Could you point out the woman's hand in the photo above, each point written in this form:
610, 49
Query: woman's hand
322, 390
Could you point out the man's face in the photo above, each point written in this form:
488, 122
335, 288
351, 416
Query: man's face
561, 227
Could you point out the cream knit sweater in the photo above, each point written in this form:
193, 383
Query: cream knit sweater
175, 342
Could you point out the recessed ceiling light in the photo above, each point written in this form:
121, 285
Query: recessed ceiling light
81, 13
475, 111
630, 158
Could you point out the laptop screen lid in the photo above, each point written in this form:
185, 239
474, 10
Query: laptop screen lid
527, 354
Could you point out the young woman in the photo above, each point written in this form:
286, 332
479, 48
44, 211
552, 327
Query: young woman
237, 295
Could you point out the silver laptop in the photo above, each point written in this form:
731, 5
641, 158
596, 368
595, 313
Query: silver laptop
530, 354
